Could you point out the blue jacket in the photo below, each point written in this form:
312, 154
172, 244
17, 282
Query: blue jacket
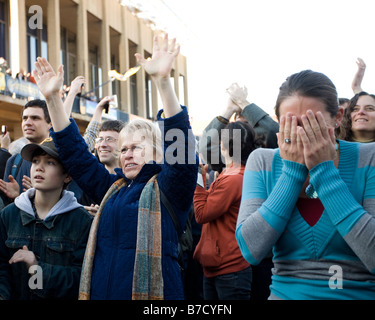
113, 267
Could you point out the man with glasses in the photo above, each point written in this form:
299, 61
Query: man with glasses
106, 144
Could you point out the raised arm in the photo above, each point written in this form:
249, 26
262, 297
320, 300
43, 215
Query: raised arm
49, 84
358, 77
93, 127
159, 67
262, 123
209, 143
75, 88
92, 177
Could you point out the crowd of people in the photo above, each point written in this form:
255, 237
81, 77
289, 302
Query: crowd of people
259, 209
21, 74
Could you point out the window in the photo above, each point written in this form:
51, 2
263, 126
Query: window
115, 65
148, 88
181, 87
4, 30
133, 79
68, 55
95, 72
37, 45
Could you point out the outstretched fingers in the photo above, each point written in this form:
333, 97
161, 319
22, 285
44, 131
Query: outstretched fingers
38, 68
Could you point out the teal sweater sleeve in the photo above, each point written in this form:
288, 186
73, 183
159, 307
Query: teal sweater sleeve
344, 211
276, 210
262, 218
354, 222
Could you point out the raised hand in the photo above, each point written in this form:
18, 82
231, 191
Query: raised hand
11, 189
360, 64
48, 81
159, 67
49, 84
358, 77
76, 85
5, 141
163, 55
238, 95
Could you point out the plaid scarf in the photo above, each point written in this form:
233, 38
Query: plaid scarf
147, 276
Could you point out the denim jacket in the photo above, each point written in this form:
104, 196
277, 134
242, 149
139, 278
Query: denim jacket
58, 242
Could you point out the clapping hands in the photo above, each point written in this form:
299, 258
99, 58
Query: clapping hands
238, 95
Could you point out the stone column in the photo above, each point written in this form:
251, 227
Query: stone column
54, 32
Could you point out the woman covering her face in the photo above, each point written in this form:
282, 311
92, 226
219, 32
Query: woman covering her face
312, 200
132, 249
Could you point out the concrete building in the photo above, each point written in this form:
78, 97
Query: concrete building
90, 37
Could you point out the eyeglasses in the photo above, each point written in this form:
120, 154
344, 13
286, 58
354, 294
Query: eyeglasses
133, 149
107, 139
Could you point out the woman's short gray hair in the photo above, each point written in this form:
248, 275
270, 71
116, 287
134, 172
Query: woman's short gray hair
147, 131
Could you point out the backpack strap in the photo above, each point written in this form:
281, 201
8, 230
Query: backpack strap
172, 214
17, 162
170, 210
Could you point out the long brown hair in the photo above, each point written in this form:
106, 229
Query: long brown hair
345, 130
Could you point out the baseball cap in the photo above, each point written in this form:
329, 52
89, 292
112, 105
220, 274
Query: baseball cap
47, 146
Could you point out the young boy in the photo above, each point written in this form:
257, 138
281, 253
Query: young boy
43, 234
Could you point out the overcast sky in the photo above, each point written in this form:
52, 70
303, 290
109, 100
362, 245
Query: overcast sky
260, 43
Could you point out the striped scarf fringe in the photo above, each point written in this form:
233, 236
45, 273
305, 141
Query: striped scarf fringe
147, 277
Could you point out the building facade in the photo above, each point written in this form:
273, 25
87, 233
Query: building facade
90, 38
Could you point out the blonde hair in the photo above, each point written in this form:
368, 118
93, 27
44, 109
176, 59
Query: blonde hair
146, 131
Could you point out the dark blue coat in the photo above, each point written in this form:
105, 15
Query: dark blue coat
117, 233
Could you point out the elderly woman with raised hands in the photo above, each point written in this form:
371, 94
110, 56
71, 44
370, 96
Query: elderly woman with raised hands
312, 200
133, 244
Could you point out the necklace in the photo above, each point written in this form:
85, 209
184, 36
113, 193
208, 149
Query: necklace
363, 141
310, 192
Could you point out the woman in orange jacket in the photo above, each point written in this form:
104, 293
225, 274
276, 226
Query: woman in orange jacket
227, 275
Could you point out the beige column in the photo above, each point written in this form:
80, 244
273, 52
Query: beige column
18, 51
183, 71
141, 76
124, 63
82, 41
155, 101
105, 50
176, 78
54, 33
186, 96
154, 95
